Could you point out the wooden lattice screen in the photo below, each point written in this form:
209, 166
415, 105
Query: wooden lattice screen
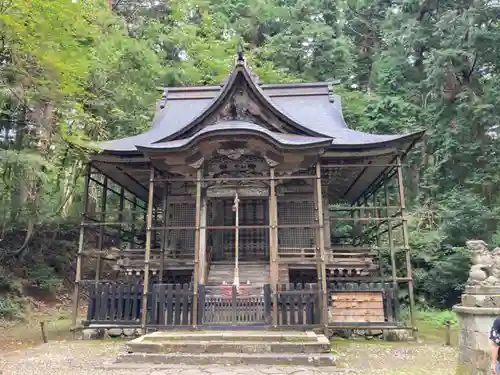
181, 214
296, 212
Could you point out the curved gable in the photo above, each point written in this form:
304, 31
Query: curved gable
242, 99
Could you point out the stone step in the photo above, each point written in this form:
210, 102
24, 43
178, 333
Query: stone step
232, 336
227, 347
227, 359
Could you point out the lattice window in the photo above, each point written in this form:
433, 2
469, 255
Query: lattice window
182, 214
296, 212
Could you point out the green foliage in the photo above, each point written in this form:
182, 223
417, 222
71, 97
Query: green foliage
45, 278
74, 71
10, 308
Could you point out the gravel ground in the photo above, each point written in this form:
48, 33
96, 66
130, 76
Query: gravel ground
89, 357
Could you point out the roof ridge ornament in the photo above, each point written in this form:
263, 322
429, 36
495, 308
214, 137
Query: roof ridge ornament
239, 51
163, 100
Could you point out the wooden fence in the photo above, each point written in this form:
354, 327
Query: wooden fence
171, 305
114, 303
298, 305
228, 305
168, 304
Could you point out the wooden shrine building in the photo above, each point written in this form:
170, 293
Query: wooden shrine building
246, 204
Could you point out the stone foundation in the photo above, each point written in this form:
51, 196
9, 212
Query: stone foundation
479, 308
93, 333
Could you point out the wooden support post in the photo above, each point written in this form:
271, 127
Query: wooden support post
321, 245
273, 244
362, 215
120, 219
154, 243
147, 253
120, 216
406, 243
132, 229
202, 271
390, 237
353, 225
326, 211
164, 231
199, 175
377, 237
78, 275
104, 199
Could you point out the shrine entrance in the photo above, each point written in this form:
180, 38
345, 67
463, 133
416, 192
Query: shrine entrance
253, 233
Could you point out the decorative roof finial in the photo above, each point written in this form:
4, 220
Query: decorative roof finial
239, 51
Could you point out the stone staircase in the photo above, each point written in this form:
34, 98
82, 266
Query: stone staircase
272, 348
257, 273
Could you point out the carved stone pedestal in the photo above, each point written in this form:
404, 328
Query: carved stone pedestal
479, 308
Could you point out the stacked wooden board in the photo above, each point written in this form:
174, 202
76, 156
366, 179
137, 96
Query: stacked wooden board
357, 307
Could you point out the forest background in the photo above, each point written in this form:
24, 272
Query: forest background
73, 71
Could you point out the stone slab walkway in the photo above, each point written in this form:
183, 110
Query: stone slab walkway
91, 357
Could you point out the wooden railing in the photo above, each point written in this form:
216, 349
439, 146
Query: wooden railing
114, 303
228, 305
171, 305
120, 304
298, 305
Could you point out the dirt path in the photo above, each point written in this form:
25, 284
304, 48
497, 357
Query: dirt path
88, 357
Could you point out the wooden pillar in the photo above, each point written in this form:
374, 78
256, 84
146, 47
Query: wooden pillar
377, 236
273, 244
362, 216
164, 230
154, 242
326, 213
132, 228
202, 271
390, 237
147, 253
100, 245
78, 275
406, 243
321, 247
120, 216
199, 175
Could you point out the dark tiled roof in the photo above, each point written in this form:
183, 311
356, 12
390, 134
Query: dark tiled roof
228, 127
310, 107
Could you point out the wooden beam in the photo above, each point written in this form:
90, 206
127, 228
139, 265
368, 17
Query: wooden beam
321, 238
378, 237
78, 275
164, 230
104, 201
202, 272
406, 244
147, 253
199, 175
390, 239
273, 243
